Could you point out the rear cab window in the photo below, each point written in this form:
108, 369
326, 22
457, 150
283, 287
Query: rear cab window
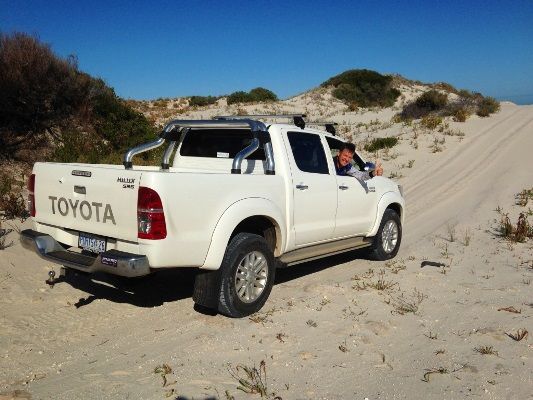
218, 143
308, 152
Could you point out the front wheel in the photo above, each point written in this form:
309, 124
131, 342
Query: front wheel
247, 275
388, 238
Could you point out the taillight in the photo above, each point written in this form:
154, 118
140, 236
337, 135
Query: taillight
150, 215
31, 195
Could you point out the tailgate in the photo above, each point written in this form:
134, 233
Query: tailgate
98, 199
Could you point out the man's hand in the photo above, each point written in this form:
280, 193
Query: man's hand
378, 171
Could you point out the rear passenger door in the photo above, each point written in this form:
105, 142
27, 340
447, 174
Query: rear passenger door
314, 188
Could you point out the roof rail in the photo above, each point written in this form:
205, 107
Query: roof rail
330, 126
298, 119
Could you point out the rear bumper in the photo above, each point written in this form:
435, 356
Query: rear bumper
112, 261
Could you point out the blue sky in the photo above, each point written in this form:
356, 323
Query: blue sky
178, 48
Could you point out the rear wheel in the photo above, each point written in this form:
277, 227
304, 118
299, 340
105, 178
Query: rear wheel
247, 275
388, 238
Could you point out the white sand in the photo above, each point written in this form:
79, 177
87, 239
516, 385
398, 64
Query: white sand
361, 347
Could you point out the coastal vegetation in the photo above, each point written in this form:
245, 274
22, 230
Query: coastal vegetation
258, 94
458, 104
363, 88
381, 143
202, 101
52, 111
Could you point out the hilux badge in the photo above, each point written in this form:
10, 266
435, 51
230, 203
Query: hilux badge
127, 183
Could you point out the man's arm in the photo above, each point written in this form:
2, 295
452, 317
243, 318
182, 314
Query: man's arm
361, 175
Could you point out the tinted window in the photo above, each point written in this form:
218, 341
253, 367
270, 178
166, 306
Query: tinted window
218, 143
308, 152
335, 145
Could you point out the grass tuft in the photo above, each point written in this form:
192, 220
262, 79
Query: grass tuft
486, 350
515, 233
518, 335
523, 197
262, 317
163, 370
3, 236
403, 305
252, 380
382, 283
439, 370
380, 143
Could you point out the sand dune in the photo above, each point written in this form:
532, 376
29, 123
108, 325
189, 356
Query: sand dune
327, 331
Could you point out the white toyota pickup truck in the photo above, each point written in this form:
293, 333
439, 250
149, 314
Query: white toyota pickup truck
234, 197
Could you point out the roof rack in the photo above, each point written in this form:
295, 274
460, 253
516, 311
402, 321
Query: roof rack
298, 119
330, 126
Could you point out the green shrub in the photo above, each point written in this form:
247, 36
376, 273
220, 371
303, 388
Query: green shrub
239, 97
161, 103
468, 95
432, 100
13, 206
445, 86
12, 203
431, 121
262, 94
47, 100
435, 103
460, 114
80, 147
428, 102
201, 101
5, 184
255, 95
487, 106
381, 143
39, 91
353, 106
363, 88
118, 123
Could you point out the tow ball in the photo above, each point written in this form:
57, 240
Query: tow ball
51, 278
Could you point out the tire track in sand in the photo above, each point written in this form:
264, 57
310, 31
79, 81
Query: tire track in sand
466, 183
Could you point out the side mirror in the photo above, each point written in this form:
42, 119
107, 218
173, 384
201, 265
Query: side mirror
370, 167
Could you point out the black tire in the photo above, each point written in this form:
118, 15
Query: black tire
381, 250
237, 298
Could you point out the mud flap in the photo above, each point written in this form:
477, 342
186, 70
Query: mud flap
207, 288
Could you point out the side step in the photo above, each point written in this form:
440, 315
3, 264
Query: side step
324, 250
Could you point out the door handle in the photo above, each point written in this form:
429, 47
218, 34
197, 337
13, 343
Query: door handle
302, 187
344, 187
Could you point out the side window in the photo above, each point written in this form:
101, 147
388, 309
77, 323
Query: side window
335, 145
308, 152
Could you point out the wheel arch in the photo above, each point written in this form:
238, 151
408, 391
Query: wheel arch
254, 215
390, 200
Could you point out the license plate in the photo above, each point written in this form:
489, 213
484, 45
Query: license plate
92, 243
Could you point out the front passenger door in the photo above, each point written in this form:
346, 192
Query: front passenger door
314, 189
356, 209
